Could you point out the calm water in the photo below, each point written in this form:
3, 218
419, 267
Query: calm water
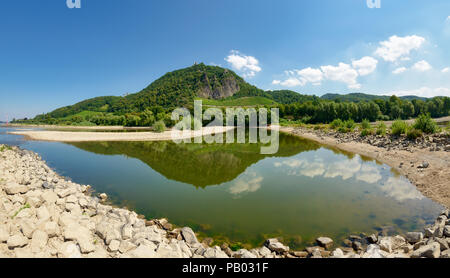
231, 192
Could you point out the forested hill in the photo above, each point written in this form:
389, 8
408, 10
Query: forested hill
358, 97
174, 89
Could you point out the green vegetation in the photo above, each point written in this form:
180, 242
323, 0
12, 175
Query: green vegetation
426, 124
243, 101
159, 126
26, 206
413, 133
5, 147
337, 123
222, 87
381, 129
399, 127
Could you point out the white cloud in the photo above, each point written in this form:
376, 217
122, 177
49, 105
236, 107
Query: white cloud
422, 66
369, 173
342, 73
423, 92
248, 65
398, 47
399, 70
314, 76
249, 182
448, 18
400, 189
365, 65
292, 82
345, 169
276, 82
445, 70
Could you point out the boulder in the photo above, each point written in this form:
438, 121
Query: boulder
13, 188
4, 234
325, 242
189, 236
38, 241
143, 251
446, 231
276, 246
69, 250
16, 241
432, 250
414, 237
81, 235
374, 252
338, 253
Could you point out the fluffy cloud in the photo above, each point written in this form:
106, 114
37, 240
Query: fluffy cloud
398, 47
342, 73
248, 65
422, 66
423, 92
399, 70
314, 76
365, 65
445, 70
291, 82
249, 182
400, 189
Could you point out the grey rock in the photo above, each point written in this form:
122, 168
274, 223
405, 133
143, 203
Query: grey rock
276, 246
414, 237
325, 242
189, 236
428, 251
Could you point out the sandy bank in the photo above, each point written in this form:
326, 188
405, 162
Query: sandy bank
433, 181
67, 136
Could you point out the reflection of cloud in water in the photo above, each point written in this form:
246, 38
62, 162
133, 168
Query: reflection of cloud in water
369, 173
248, 182
400, 189
345, 169
300, 167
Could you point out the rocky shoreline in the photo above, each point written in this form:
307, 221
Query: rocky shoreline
43, 215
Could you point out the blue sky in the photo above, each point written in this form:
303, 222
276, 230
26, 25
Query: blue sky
52, 56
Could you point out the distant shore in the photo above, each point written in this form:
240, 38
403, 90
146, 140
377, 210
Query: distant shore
68, 136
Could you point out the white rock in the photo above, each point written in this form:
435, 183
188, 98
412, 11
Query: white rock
338, 253
325, 242
69, 250
143, 251
51, 228
274, 245
17, 241
4, 234
14, 188
38, 241
49, 197
114, 245
42, 213
373, 252
81, 235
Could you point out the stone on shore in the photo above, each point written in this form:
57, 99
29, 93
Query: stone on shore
276, 246
325, 242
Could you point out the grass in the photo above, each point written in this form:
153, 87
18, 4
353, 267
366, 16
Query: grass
399, 127
381, 128
243, 101
26, 206
5, 147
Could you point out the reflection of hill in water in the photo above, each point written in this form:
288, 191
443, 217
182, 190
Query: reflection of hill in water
198, 164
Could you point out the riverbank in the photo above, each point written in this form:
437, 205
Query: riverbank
43, 215
71, 127
68, 136
425, 161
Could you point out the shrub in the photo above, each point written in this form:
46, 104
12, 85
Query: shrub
426, 124
349, 124
381, 128
399, 127
413, 133
343, 129
159, 126
365, 124
366, 132
336, 123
